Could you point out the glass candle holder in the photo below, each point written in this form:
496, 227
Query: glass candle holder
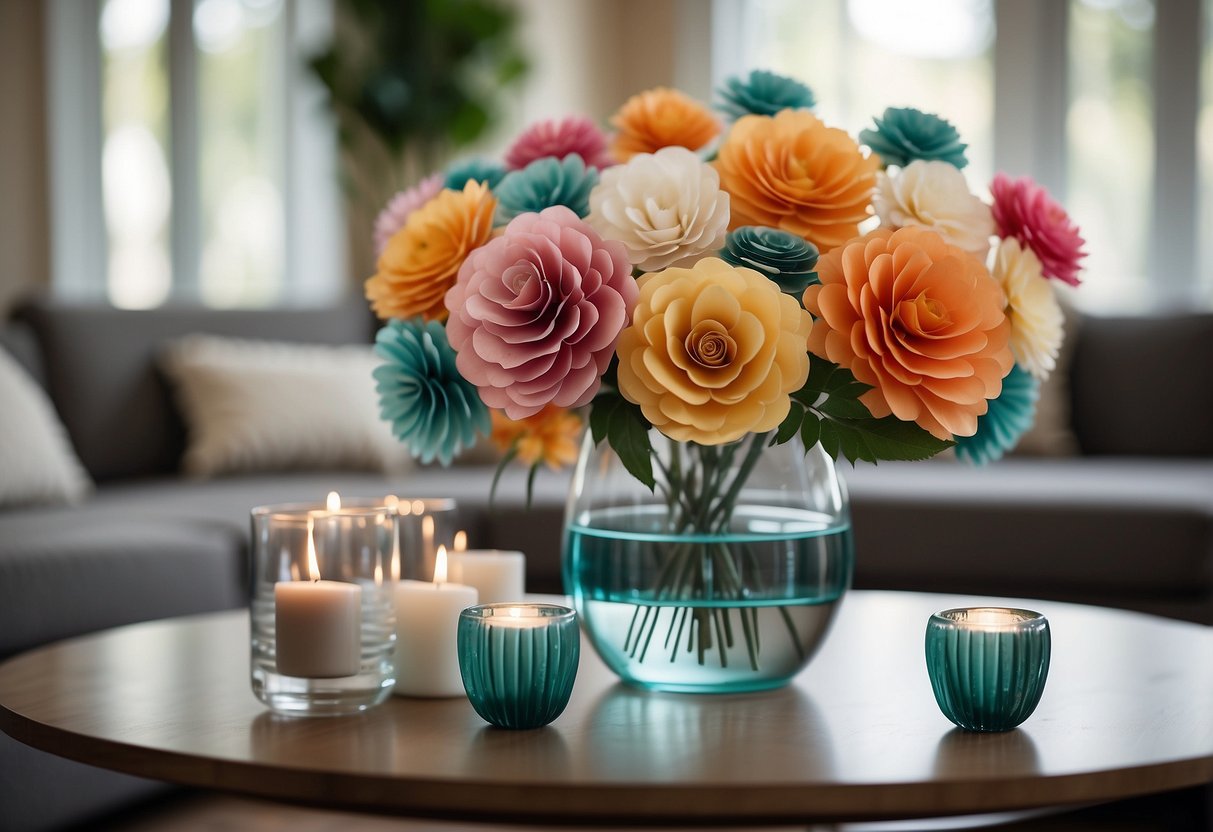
518, 661
987, 665
424, 525
323, 623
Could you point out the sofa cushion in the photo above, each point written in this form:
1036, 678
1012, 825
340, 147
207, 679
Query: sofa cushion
252, 405
83, 572
1062, 528
37, 464
101, 373
1144, 386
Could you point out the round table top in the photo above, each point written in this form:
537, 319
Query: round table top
1126, 711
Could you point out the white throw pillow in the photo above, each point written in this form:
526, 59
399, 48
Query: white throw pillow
37, 463
269, 406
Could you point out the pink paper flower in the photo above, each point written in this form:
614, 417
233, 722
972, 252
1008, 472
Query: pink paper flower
392, 218
1024, 210
560, 138
536, 312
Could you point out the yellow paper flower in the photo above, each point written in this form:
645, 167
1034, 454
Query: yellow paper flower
713, 352
919, 320
660, 118
422, 258
550, 436
790, 171
1037, 322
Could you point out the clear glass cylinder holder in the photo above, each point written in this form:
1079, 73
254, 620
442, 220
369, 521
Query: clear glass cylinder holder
333, 602
425, 524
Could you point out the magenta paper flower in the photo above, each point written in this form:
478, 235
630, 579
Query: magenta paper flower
392, 218
536, 312
573, 134
1024, 210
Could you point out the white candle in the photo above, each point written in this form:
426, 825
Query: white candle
317, 624
427, 626
499, 577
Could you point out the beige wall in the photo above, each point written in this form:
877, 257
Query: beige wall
24, 221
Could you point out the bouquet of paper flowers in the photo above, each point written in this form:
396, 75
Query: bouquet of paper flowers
759, 275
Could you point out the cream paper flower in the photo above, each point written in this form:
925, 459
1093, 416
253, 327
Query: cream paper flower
665, 207
935, 196
1036, 317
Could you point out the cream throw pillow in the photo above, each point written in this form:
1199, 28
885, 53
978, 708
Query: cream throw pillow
37, 463
270, 406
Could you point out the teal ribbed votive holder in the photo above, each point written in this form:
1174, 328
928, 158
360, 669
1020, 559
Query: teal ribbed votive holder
518, 661
987, 665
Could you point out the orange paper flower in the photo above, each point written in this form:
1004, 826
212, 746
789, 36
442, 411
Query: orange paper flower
790, 171
920, 320
550, 436
422, 258
713, 352
660, 118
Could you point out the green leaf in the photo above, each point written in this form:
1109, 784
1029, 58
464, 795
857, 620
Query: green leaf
788, 428
810, 429
530, 483
887, 438
505, 460
600, 417
829, 438
628, 433
841, 407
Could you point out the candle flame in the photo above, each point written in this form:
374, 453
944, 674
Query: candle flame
461, 541
378, 574
440, 566
333, 501
418, 507
392, 502
515, 612
313, 567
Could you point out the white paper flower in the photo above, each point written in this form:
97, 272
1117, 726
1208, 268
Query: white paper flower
1037, 323
934, 195
665, 207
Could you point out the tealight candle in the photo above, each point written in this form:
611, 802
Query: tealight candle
519, 661
498, 576
317, 623
988, 665
427, 619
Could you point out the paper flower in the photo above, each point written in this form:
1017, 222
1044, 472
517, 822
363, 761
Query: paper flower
935, 196
906, 134
790, 171
763, 94
535, 314
660, 118
429, 405
665, 207
551, 436
713, 352
919, 320
558, 139
1008, 419
1025, 211
422, 259
544, 183
394, 215
784, 258
474, 170
1037, 322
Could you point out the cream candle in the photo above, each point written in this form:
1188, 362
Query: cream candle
317, 624
427, 626
498, 576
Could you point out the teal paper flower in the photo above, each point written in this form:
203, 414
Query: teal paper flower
782, 256
479, 170
763, 94
430, 406
544, 183
906, 134
1009, 417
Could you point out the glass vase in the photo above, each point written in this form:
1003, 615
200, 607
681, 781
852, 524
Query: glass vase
724, 578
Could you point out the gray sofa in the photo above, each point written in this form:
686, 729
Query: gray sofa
1127, 522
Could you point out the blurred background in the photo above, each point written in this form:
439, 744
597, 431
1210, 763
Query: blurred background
234, 152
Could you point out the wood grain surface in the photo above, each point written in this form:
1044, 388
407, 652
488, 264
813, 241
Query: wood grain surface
1128, 710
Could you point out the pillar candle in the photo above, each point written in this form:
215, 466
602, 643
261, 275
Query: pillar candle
427, 628
499, 577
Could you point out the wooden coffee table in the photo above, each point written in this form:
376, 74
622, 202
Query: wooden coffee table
1128, 710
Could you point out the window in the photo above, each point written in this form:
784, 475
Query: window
207, 172
1099, 100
